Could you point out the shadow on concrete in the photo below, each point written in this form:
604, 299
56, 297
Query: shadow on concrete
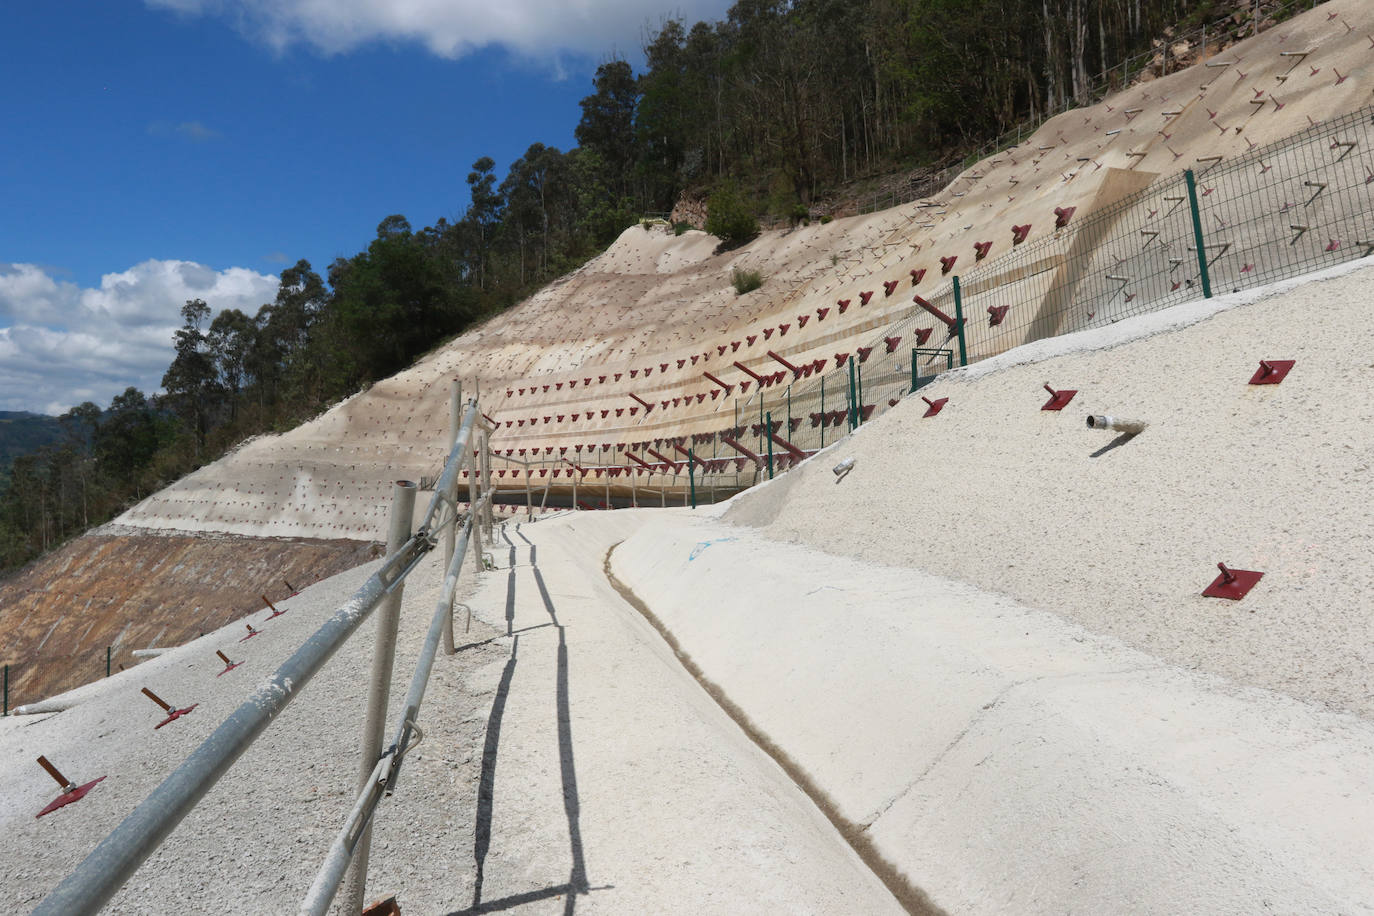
492, 639
486, 784
505, 537
1115, 443
510, 601
577, 879
548, 602
515, 900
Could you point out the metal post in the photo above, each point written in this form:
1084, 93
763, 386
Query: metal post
529, 497
485, 457
822, 411
383, 655
852, 422
7, 689
913, 369
107, 660
768, 437
634, 497
1197, 234
691, 478
859, 395
574, 472
548, 482
473, 497
959, 321
607, 473
455, 420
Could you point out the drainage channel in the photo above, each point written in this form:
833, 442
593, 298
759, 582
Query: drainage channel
912, 898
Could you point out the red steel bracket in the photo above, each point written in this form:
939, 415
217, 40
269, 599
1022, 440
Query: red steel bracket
70, 792
1271, 371
1058, 399
1232, 583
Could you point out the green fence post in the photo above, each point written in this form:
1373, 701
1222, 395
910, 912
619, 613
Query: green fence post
859, 396
822, 411
768, 433
913, 370
692, 476
107, 661
959, 321
1197, 234
852, 423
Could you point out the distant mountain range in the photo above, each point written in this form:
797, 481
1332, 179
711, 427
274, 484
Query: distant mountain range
22, 432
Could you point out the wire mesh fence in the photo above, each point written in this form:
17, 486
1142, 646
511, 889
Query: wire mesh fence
1286, 209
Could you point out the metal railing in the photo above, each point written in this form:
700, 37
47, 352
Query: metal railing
115, 859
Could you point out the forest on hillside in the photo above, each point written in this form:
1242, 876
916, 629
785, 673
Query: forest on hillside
762, 111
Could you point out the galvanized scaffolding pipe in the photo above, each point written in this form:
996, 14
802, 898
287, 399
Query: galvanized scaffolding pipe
455, 425
379, 690
380, 778
114, 860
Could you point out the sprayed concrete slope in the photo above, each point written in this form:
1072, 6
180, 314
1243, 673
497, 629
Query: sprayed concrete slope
1122, 536
1000, 669
652, 314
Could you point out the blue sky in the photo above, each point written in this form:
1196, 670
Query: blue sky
176, 149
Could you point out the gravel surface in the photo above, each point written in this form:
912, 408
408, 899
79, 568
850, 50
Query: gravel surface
254, 843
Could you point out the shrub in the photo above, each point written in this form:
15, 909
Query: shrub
745, 281
679, 228
729, 217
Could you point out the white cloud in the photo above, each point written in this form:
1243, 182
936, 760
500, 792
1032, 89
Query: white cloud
61, 344
451, 28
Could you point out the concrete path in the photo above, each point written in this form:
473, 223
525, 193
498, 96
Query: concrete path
610, 781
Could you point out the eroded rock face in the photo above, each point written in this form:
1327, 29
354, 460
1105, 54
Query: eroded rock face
132, 590
690, 210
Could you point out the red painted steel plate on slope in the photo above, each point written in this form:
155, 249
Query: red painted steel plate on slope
1060, 399
1233, 584
66, 798
176, 714
1271, 371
